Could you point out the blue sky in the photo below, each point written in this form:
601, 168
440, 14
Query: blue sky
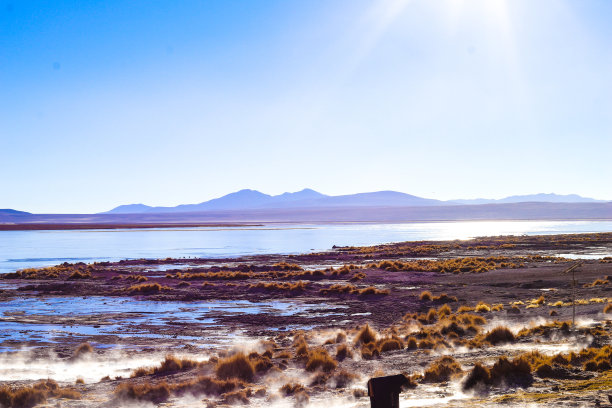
163, 102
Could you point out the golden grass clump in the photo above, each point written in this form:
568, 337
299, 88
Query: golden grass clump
390, 344
444, 310
236, 397
155, 393
237, 366
425, 296
135, 278
261, 363
79, 275
82, 350
171, 364
301, 347
365, 335
482, 307
207, 385
546, 330
343, 351
352, 290
444, 298
290, 389
358, 276
596, 282
608, 308
284, 266
29, 396
371, 290
411, 343
504, 371
441, 370
369, 351
147, 288
500, 335
320, 358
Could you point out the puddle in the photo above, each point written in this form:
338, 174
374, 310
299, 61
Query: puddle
51, 319
166, 267
593, 255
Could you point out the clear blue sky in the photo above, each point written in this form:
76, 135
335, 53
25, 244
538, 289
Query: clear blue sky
165, 102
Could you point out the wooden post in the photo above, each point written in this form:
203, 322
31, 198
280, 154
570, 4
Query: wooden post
384, 391
574, 298
572, 269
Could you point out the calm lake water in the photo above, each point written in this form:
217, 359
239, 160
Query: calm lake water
22, 249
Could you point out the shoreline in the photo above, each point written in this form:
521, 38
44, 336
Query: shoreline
284, 310
277, 224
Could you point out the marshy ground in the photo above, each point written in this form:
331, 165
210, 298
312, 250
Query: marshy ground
482, 322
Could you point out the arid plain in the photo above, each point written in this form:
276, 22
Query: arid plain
482, 322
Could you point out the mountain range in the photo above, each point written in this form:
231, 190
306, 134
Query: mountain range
307, 199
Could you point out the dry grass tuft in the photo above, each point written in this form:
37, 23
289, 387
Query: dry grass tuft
482, 307
441, 370
365, 335
511, 373
596, 282
608, 308
237, 366
82, 350
147, 288
156, 394
29, 396
444, 310
390, 344
320, 358
500, 335
343, 351
301, 347
425, 296
171, 364
207, 385
79, 275
291, 389
411, 343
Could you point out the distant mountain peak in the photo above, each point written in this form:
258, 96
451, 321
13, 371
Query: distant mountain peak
9, 211
539, 197
246, 199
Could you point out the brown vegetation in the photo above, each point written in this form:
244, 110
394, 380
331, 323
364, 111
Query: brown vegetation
237, 366
171, 364
320, 358
147, 288
441, 370
156, 393
504, 371
82, 349
500, 335
365, 335
29, 396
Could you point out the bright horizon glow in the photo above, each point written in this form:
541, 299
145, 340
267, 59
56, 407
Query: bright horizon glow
178, 103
